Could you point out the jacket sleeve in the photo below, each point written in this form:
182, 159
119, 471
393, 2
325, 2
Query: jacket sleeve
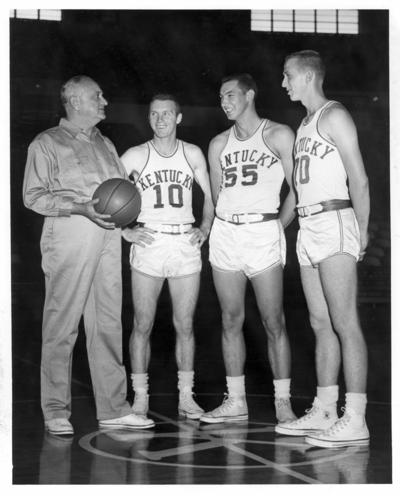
38, 194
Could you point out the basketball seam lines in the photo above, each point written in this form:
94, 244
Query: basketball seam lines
123, 206
110, 196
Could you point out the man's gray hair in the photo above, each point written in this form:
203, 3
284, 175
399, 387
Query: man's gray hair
71, 87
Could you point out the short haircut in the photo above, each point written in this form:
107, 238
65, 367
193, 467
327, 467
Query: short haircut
309, 59
167, 96
71, 85
245, 82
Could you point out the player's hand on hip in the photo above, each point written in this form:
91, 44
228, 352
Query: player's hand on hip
141, 236
87, 210
197, 236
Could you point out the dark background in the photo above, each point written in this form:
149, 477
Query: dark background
132, 55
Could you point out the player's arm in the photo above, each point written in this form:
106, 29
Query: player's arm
38, 194
134, 160
282, 141
214, 151
198, 163
340, 128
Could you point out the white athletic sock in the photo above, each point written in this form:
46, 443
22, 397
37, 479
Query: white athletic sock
357, 402
282, 388
185, 381
140, 382
328, 395
235, 385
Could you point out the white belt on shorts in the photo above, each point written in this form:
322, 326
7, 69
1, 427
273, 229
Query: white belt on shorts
247, 218
168, 228
324, 206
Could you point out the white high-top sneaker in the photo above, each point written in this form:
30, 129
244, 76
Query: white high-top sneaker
233, 409
317, 418
349, 430
187, 407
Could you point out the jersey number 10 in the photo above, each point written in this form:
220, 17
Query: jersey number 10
175, 196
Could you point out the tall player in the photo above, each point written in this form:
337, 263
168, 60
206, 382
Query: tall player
165, 245
333, 206
248, 165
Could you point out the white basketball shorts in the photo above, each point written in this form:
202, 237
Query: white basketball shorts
250, 248
326, 234
169, 255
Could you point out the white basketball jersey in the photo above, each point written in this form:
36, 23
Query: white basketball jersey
319, 173
252, 175
165, 184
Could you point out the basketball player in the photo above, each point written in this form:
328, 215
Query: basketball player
248, 165
81, 259
165, 245
333, 207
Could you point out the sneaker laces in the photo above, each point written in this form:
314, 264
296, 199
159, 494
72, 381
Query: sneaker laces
187, 399
227, 402
310, 413
339, 424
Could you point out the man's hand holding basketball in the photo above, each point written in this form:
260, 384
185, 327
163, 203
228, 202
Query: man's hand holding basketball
87, 210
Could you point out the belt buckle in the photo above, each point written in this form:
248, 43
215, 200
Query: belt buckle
312, 209
235, 218
175, 228
306, 211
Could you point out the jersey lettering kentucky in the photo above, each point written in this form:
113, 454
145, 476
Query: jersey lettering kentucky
252, 175
165, 185
319, 173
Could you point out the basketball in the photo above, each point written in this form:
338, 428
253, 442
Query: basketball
120, 198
